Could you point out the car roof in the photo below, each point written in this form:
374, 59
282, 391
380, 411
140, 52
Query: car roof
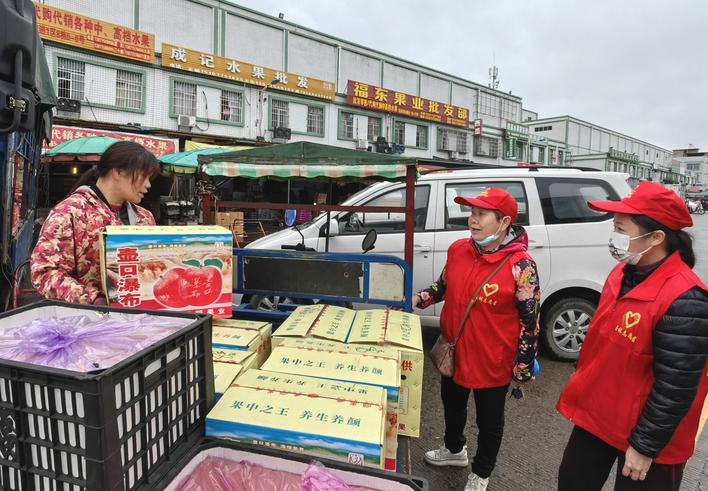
520, 172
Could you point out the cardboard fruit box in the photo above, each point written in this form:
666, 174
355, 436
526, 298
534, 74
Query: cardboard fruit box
264, 330
186, 269
320, 426
311, 386
346, 365
247, 359
373, 329
224, 375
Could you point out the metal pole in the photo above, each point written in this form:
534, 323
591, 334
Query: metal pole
410, 210
329, 202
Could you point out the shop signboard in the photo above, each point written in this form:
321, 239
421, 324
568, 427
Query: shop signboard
62, 26
157, 145
625, 156
211, 65
390, 101
477, 127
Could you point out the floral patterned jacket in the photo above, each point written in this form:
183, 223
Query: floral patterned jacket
66, 261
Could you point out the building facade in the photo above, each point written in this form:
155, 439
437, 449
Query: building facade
207, 70
696, 164
579, 143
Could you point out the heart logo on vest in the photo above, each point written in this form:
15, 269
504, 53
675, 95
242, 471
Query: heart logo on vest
490, 289
631, 319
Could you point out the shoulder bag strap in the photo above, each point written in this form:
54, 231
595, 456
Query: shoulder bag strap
474, 297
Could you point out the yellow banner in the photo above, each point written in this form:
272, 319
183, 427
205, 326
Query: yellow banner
66, 27
239, 71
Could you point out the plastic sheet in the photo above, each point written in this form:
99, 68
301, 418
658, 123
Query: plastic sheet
219, 474
82, 344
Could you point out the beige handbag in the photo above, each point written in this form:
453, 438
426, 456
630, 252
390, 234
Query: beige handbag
443, 352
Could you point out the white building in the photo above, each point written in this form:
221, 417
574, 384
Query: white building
696, 164
584, 144
210, 79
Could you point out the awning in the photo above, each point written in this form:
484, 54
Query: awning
306, 160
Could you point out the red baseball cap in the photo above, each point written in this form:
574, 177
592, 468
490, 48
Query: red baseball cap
492, 199
653, 200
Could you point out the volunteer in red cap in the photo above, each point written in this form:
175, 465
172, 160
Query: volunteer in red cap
499, 335
637, 394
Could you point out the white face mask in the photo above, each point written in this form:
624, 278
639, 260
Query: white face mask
619, 248
490, 238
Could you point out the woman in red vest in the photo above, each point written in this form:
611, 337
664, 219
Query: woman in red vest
499, 339
639, 387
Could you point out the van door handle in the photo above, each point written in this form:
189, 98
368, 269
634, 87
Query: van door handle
535, 245
420, 248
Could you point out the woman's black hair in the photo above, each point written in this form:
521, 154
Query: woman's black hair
126, 156
675, 240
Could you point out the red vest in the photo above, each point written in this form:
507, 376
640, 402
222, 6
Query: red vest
486, 352
607, 392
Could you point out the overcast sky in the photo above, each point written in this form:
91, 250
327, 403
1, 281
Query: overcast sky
639, 67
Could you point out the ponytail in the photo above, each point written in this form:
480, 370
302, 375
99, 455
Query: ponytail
680, 240
88, 177
684, 244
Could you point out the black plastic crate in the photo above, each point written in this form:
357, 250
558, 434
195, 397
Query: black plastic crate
166, 474
63, 430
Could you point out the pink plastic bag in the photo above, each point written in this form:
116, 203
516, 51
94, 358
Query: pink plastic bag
318, 478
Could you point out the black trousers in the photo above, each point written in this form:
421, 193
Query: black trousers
489, 407
587, 462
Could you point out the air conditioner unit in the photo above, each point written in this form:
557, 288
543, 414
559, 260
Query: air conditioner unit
362, 144
282, 132
68, 105
453, 155
186, 121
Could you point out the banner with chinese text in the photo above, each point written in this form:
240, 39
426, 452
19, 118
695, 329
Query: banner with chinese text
155, 144
77, 30
380, 99
217, 66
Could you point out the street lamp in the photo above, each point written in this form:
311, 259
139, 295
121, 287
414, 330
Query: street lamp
261, 99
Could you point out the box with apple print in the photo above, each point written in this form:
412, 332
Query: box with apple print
187, 269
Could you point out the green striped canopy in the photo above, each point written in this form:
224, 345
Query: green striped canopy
306, 160
186, 162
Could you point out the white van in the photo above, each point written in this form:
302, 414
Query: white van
567, 239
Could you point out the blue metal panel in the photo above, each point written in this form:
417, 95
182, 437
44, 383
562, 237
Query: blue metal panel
365, 259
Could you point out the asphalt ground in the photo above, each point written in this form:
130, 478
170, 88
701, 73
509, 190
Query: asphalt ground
535, 435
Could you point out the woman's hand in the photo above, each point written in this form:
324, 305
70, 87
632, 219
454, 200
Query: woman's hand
415, 302
636, 465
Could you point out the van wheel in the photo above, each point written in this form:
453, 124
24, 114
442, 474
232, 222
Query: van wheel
565, 325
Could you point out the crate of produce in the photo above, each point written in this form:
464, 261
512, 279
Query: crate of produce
106, 429
175, 475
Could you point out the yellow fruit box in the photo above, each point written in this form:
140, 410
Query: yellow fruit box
247, 359
346, 365
224, 375
374, 329
325, 427
189, 269
264, 330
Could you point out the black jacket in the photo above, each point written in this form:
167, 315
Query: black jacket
680, 351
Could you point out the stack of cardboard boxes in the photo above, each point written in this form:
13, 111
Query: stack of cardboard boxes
333, 385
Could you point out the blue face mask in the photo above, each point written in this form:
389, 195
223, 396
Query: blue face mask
490, 239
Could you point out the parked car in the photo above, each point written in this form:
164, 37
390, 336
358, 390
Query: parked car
567, 238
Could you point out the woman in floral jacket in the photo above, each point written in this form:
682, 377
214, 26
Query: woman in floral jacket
499, 339
66, 260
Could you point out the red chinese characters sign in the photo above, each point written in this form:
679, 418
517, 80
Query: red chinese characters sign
386, 100
128, 279
66, 27
158, 146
